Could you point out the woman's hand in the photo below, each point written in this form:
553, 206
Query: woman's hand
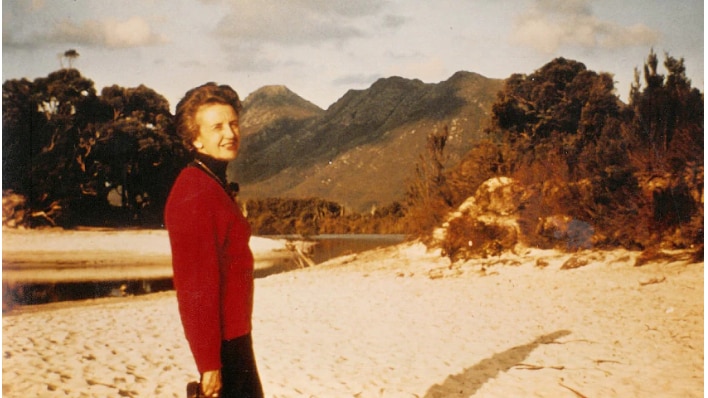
211, 383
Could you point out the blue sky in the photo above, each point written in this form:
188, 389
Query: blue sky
322, 48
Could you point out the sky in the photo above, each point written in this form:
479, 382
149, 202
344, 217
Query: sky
320, 49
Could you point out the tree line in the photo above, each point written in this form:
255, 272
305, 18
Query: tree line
79, 158
634, 171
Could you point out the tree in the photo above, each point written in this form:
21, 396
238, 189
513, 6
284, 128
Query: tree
136, 152
664, 108
428, 196
71, 55
70, 148
561, 107
541, 103
563, 133
21, 120
669, 136
140, 102
481, 163
49, 135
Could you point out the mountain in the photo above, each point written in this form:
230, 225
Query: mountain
362, 151
273, 104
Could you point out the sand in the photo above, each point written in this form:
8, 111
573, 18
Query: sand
393, 322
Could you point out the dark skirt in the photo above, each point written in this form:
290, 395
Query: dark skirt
239, 374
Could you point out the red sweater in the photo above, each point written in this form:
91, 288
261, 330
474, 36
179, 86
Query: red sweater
212, 265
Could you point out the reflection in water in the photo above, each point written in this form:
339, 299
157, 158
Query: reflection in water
43, 293
326, 247
331, 246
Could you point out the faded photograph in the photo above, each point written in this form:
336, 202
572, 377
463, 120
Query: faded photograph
364, 198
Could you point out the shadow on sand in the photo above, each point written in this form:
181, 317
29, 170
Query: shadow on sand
471, 379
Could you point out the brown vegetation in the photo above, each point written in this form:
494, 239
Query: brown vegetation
592, 171
581, 168
308, 217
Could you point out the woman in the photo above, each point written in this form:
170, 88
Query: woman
211, 258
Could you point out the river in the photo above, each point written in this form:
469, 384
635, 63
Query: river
325, 247
331, 246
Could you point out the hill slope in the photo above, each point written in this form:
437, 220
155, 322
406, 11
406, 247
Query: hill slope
273, 104
362, 150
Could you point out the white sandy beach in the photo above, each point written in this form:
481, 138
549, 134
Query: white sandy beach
394, 322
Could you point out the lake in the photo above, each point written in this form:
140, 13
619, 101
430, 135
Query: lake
331, 246
322, 248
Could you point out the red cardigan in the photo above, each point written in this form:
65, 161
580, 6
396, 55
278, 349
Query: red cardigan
212, 264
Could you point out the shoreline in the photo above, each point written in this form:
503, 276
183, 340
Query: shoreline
399, 321
52, 265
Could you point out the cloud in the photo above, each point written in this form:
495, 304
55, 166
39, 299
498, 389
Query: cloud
12, 12
132, 32
282, 25
551, 24
357, 80
259, 36
393, 21
36, 5
19, 7
426, 69
294, 22
247, 57
111, 33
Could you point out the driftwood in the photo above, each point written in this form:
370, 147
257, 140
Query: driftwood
574, 391
652, 281
574, 262
301, 258
527, 366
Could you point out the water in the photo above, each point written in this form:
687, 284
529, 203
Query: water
332, 246
325, 247
43, 293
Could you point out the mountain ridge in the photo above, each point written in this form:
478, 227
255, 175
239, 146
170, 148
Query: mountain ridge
361, 151
272, 103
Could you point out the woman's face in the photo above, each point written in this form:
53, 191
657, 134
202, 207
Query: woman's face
219, 135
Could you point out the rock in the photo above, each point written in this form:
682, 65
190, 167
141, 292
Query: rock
485, 224
574, 233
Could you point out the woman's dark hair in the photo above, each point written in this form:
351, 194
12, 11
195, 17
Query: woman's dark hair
209, 93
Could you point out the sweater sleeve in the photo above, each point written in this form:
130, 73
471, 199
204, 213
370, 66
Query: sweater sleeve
193, 232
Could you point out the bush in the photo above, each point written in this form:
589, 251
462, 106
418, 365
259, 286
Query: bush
467, 237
